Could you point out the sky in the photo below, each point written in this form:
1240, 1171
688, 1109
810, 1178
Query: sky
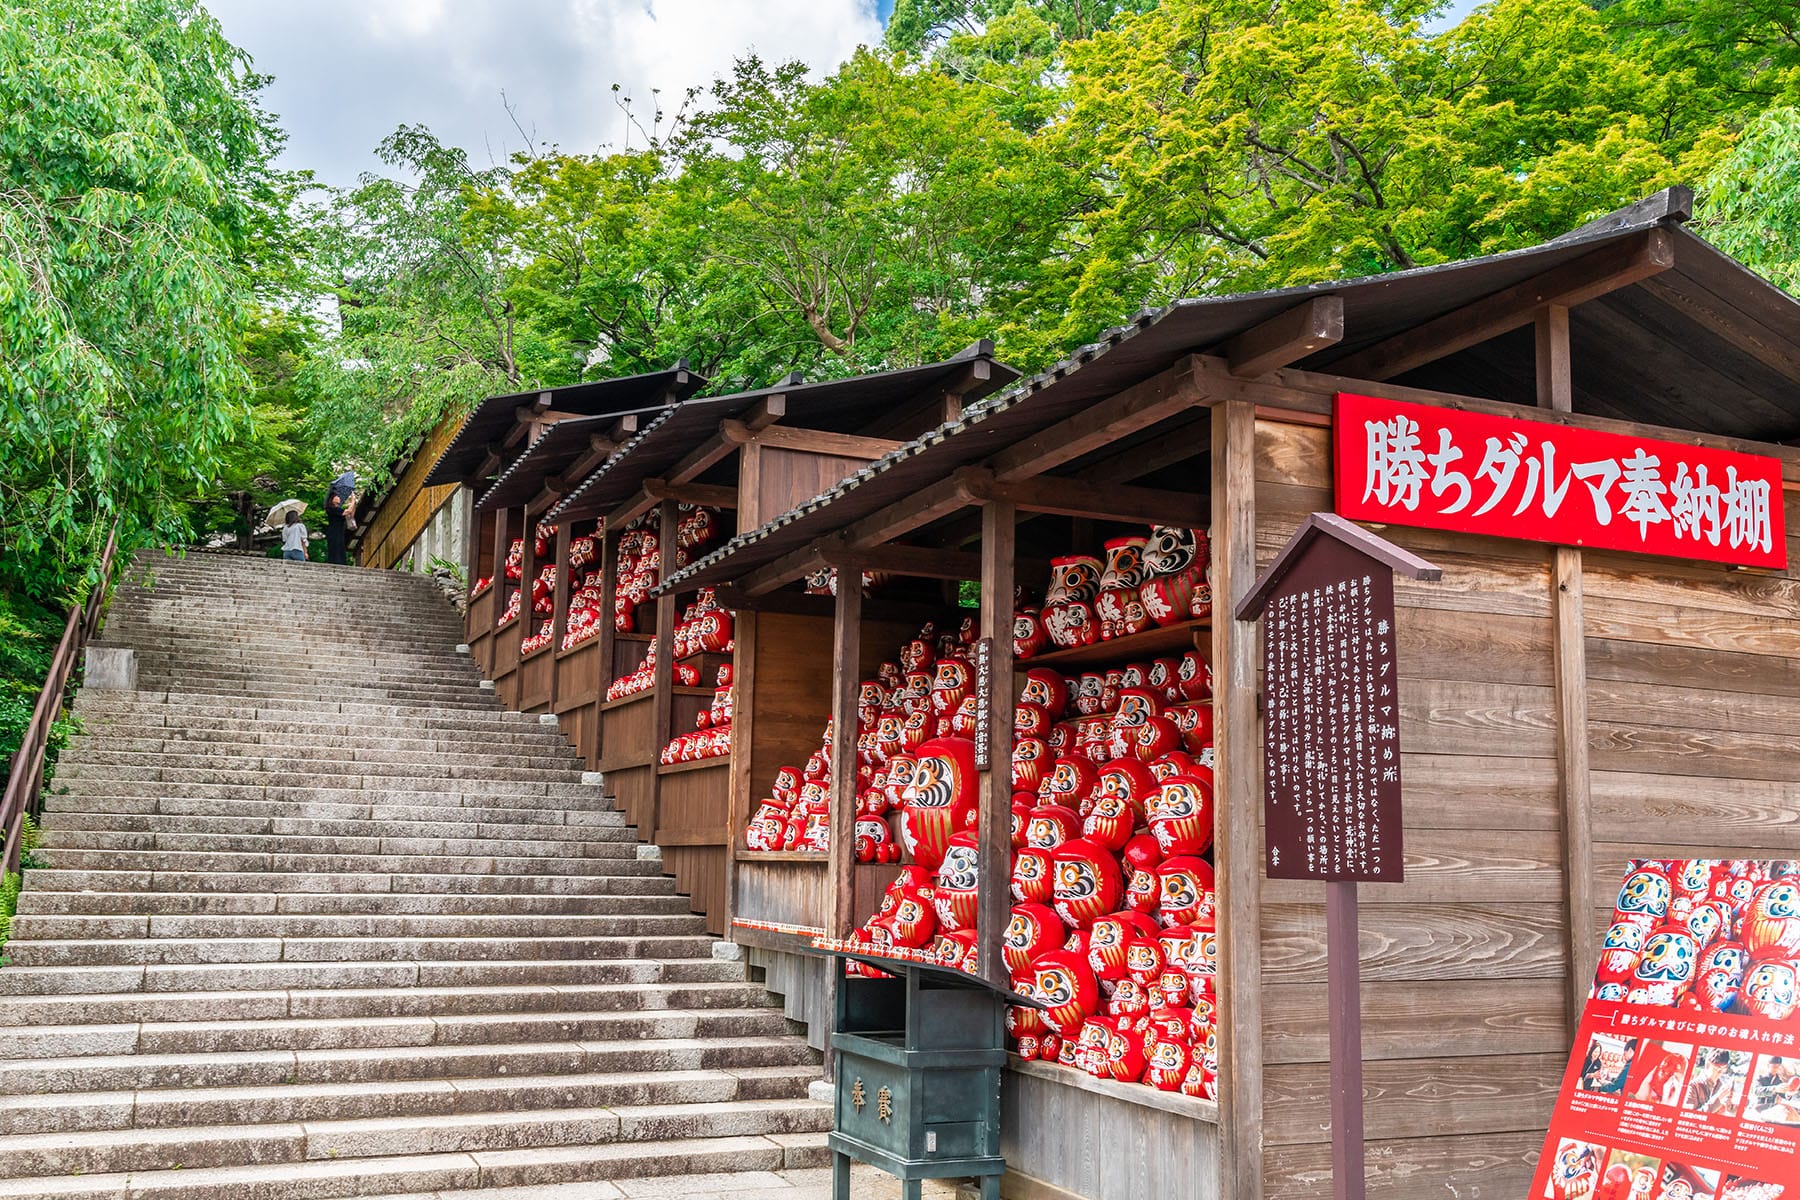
348, 72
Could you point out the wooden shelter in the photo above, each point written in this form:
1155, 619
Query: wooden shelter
1562, 709
744, 457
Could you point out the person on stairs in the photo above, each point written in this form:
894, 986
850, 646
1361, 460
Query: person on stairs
337, 517
293, 538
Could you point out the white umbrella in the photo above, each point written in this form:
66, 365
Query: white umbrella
278, 515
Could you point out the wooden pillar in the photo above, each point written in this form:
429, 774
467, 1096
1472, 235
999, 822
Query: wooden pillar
1238, 767
559, 620
1555, 391
663, 714
469, 547
608, 637
502, 543
846, 671
528, 567
999, 521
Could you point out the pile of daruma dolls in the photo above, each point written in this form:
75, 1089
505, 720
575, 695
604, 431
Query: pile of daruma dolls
636, 569
1112, 927
1705, 935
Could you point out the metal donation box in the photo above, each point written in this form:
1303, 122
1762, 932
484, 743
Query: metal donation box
919, 1057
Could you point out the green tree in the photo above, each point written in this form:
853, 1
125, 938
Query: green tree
135, 187
1750, 204
424, 325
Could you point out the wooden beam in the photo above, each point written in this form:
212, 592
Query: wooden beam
712, 495
559, 613
1607, 269
1137, 407
1567, 623
662, 714
1238, 802
998, 546
1287, 337
818, 441
1114, 502
923, 562
490, 462
1671, 204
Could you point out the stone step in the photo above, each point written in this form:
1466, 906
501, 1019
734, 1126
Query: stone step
128, 1007
27, 952
253, 739
354, 976
280, 861
468, 793
41, 927
273, 1068
326, 759
37, 900
78, 807
455, 822
602, 844
424, 1176
646, 880
479, 703
103, 715
199, 1147
178, 1107
69, 1042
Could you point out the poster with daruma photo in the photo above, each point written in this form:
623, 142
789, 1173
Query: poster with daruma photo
1684, 1081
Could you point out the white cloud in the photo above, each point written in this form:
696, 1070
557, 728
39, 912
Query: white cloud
347, 72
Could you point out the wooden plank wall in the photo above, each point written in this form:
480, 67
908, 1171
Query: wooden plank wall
409, 505
1465, 964
1693, 712
1067, 1139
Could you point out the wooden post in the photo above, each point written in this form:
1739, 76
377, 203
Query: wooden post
608, 638
1238, 853
1344, 987
1555, 391
846, 671
559, 613
502, 543
998, 548
663, 714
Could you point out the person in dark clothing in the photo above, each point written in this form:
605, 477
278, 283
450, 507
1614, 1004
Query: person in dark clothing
337, 517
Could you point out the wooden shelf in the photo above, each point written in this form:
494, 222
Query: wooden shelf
577, 647
706, 654
634, 698
787, 856
1149, 644
525, 658
634, 637
698, 764
682, 689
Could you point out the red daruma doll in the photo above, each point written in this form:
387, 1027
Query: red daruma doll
1088, 883
940, 800
957, 878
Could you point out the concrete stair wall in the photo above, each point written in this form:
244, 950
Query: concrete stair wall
318, 919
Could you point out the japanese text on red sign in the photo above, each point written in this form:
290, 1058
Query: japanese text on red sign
1416, 464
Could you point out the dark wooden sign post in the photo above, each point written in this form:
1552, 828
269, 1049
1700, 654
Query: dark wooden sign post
1331, 749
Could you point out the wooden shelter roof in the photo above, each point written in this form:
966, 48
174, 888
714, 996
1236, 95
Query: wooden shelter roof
563, 445
1690, 340
495, 419
834, 405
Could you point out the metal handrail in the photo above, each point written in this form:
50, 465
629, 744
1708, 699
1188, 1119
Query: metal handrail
25, 780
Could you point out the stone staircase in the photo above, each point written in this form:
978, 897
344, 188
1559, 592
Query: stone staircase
319, 920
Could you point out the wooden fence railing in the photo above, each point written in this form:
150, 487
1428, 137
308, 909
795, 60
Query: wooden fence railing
25, 781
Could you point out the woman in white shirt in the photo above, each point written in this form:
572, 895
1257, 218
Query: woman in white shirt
293, 538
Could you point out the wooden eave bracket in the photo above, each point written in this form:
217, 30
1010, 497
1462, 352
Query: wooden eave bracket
1287, 337
1114, 502
1611, 267
712, 495
1137, 407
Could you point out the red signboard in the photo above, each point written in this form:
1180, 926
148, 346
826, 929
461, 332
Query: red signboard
1441, 468
1684, 1081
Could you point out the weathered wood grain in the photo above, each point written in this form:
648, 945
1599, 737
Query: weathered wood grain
1431, 941
1448, 716
1676, 810
1709, 586
1673, 706
1444, 643
1710, 754
1475, 1167
1454, 866
1460, 791
1488, 1094
1642, 621
1661, 665
1420, 1019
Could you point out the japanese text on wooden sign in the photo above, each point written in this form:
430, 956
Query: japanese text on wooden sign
984, 700
1441, 468
1331, 726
